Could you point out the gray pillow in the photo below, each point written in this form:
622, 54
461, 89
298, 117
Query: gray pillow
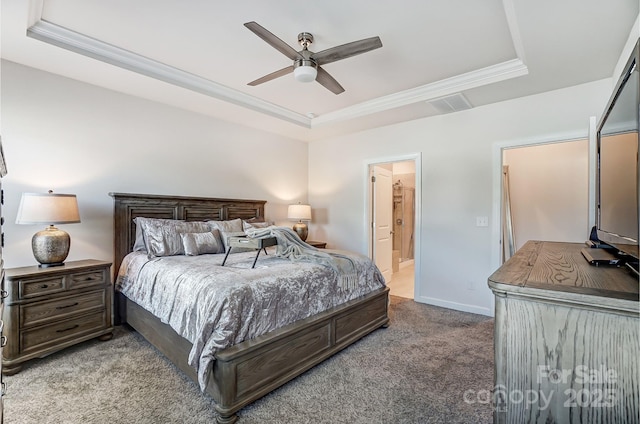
225, 228
200, 243
162, 236
138, 245
254, 224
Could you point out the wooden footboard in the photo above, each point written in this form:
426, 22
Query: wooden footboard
249, 370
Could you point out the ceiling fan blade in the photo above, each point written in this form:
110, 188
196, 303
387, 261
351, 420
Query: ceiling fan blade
347, 50
273, 75
274, 41
328, 81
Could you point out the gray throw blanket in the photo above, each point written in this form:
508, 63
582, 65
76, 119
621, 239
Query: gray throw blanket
292, 247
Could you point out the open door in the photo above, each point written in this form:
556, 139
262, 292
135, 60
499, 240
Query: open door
382, 219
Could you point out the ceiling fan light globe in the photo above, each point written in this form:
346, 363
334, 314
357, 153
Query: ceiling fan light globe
305, 73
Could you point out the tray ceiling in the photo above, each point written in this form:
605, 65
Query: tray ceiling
199, 56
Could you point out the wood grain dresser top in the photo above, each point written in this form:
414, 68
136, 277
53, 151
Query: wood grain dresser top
561, 267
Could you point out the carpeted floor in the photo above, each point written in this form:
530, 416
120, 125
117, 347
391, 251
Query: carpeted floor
416, 371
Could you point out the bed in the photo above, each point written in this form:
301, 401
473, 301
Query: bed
248, 370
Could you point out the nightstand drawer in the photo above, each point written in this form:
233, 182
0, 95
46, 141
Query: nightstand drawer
40, 313
40, 286
38, 337
86, 279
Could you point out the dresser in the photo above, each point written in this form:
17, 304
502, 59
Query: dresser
567, 338
48, 309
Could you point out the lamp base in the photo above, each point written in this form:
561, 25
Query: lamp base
50, 265
301, 229
50, 246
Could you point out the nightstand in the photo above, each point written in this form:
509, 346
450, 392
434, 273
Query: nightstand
318, 244
48, 309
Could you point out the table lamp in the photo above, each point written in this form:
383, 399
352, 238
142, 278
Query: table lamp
51, 245
300, 213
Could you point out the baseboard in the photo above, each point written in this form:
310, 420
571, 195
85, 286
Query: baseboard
455, 305
407, 263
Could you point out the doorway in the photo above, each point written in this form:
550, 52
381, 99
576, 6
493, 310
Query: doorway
545, 193
393, 215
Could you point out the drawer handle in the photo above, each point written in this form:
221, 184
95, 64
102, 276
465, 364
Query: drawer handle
44, 286
89, 278
4, 294
68, 306
68, 329
3, 341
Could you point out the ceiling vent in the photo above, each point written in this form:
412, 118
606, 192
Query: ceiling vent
452, 103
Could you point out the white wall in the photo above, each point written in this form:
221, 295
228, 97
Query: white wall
77, 138
457, 166
549, 187
72, 137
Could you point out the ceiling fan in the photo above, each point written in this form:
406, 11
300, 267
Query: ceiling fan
307, 65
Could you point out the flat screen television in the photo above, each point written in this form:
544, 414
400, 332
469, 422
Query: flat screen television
617, 172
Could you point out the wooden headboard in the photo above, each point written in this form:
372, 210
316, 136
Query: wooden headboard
129, 206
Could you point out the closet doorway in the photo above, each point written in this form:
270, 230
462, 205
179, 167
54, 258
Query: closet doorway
545, 194
401, 206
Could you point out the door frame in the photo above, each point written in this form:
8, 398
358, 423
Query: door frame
497, 156
368, 211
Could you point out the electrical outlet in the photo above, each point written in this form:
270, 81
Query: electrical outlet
482, 221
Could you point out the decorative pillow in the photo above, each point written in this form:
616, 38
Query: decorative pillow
230, 225
162, 236
138, 245
199, 243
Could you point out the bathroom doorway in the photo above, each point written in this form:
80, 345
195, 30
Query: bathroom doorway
402, 280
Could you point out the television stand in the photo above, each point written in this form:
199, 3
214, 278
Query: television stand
565, 332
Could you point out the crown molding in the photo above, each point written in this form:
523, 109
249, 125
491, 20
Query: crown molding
489, 75
90, 47
514, 28
87, 46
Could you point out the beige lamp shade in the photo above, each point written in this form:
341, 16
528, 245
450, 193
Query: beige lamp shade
51, 245
299, 212
48, 208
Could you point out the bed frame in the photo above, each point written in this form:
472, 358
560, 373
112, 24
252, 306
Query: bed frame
247, 371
